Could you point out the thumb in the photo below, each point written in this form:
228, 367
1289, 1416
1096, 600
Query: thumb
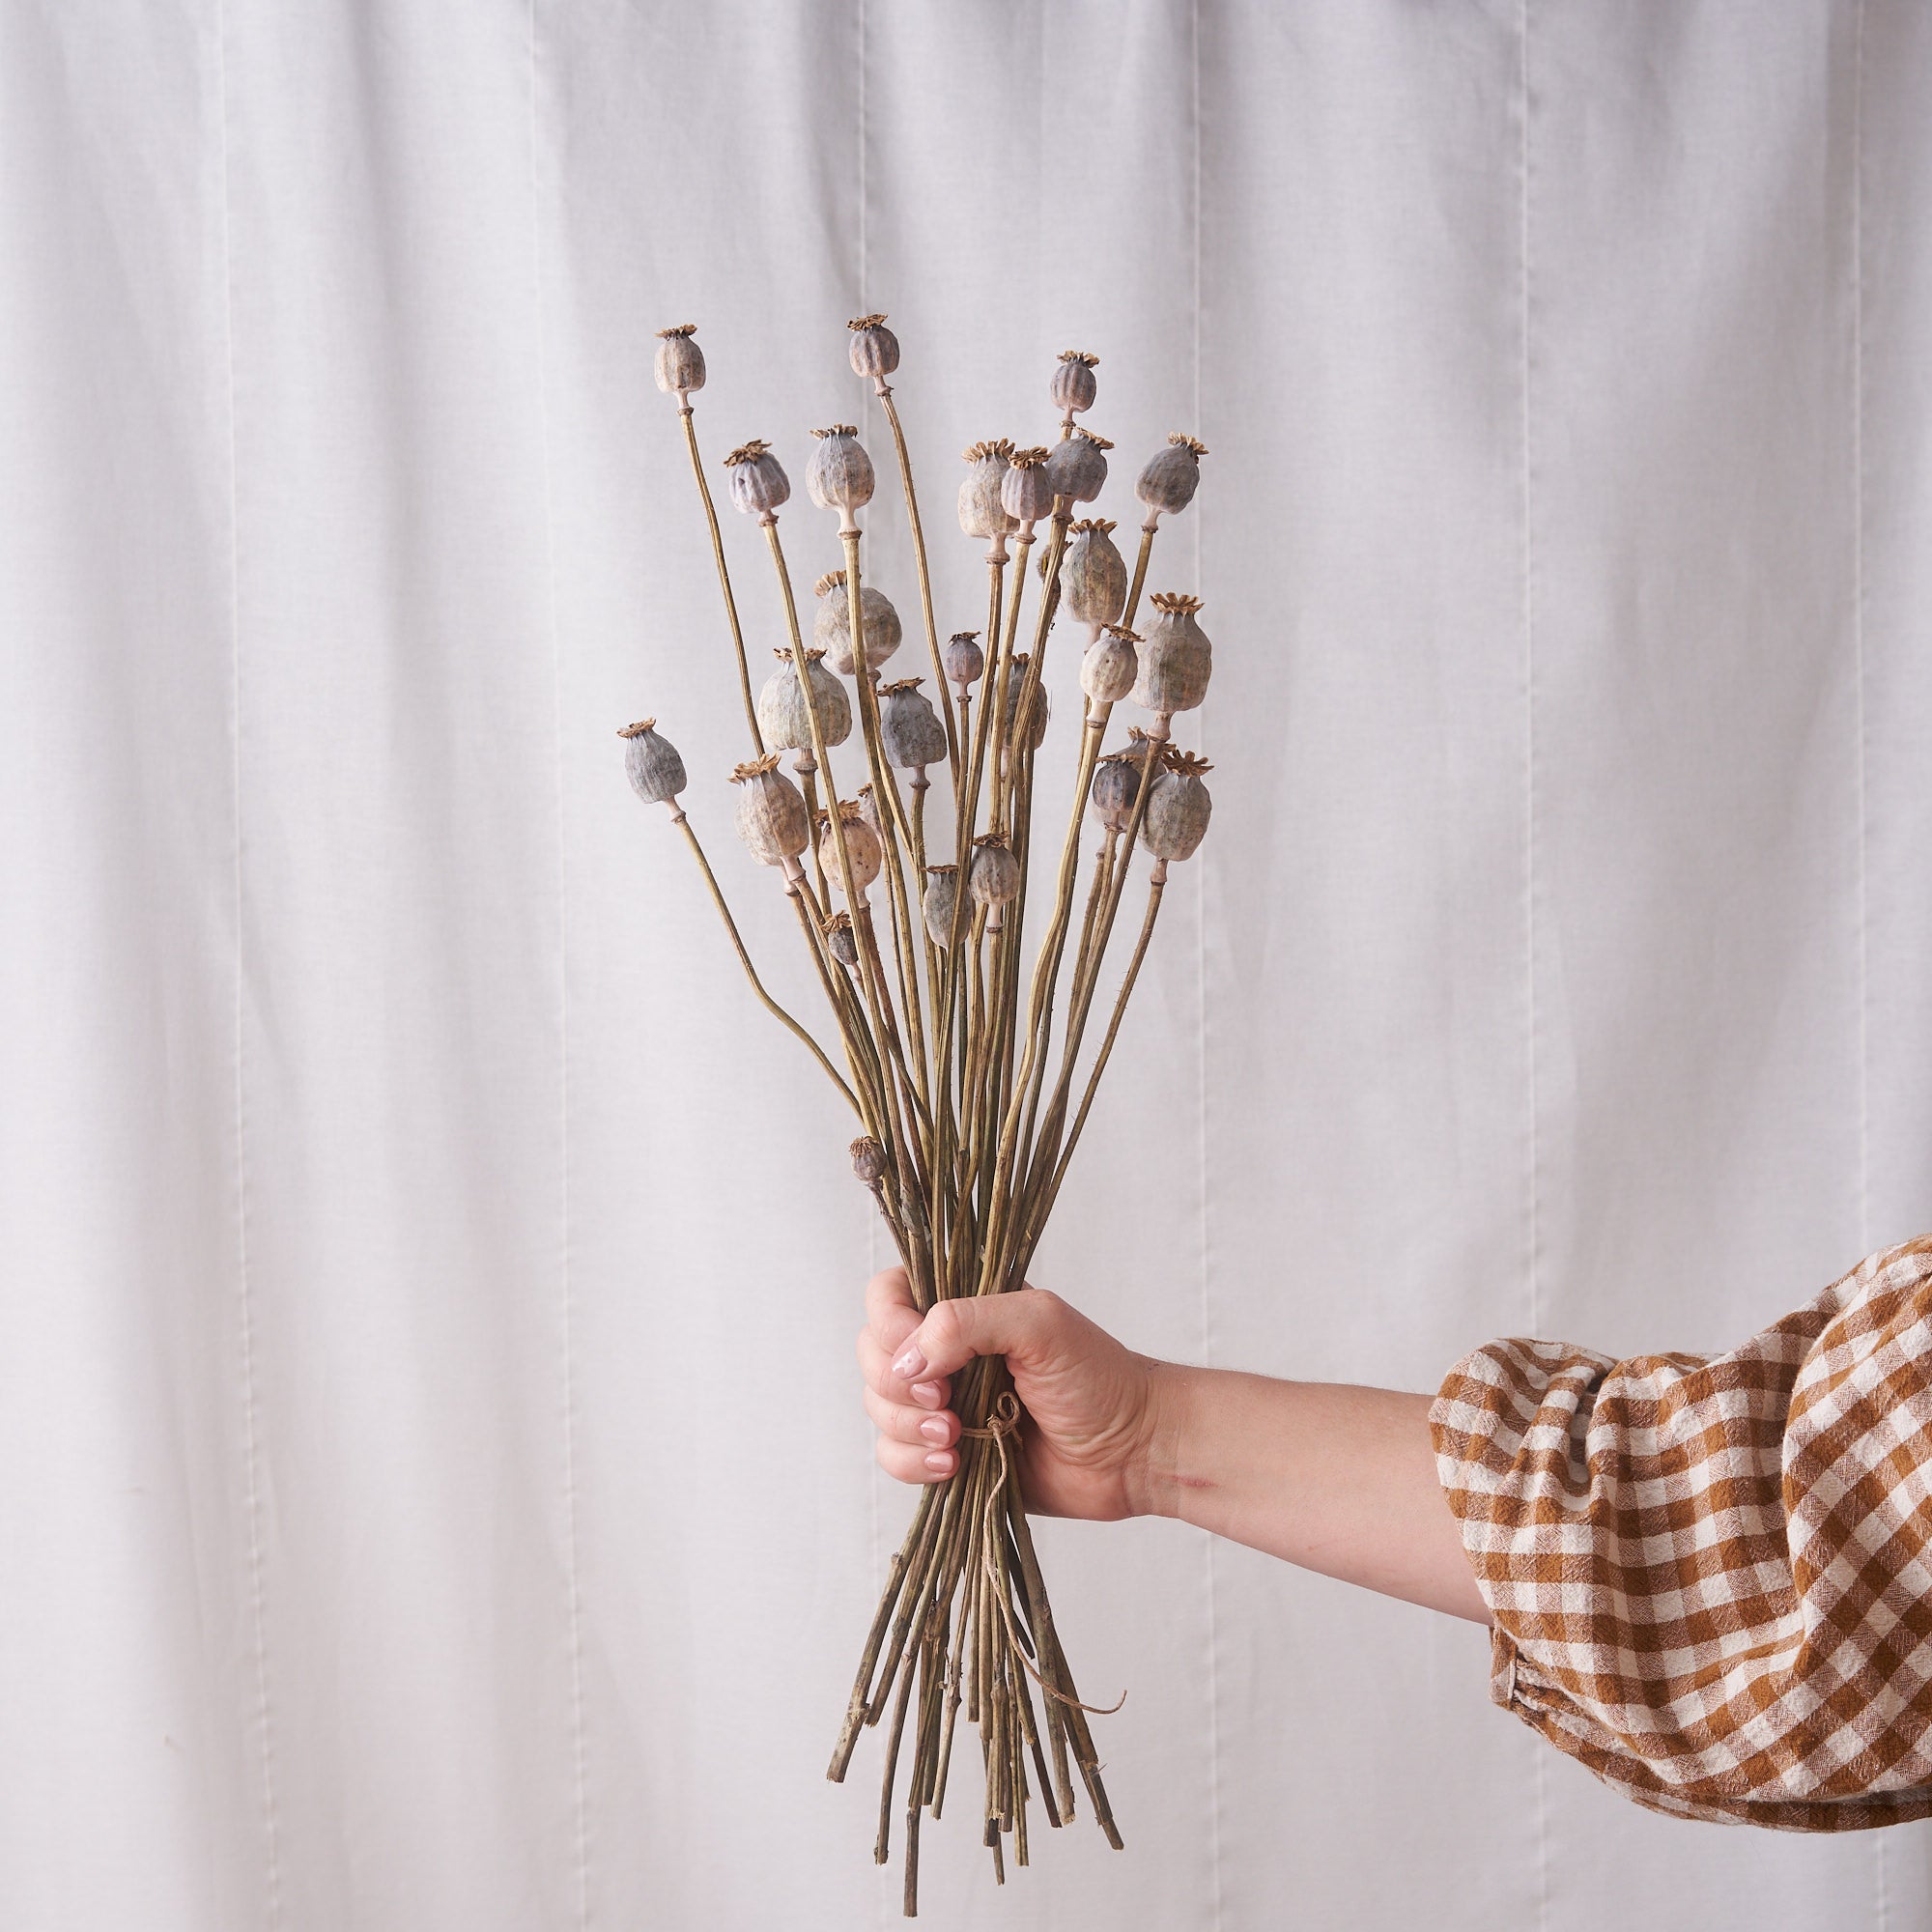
1021, 1326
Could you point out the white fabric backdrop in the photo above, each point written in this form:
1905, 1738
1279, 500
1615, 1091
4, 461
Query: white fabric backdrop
434, 1489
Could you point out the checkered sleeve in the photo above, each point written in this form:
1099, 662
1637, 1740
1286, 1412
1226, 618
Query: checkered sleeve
1709, 1577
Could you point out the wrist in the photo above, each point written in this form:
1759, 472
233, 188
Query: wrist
1158, 1480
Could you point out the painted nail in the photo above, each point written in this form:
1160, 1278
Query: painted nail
928, 1395
911, 1363
934, 1429
940, 1461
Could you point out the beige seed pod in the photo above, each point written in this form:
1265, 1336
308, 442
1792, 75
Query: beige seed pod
839, 474
784, 721
1176, 657
1076, 466
995, 877
963, 661
862, 848
868, 1158
680, 366
875, 349
910, 732
772, 818
982, 513
758, 482
1026, 494
1108, 671
1171, 478
1093, 574
651, 763
942, 896
868, 810
832, 625
1117, 784
1178, 807
840, 941
1073, 381
1037, 709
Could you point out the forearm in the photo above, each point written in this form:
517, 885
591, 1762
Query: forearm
1333, 1477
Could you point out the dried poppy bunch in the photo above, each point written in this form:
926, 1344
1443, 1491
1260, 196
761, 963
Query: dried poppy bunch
914, 933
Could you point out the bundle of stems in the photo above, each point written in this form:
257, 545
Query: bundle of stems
970, 1070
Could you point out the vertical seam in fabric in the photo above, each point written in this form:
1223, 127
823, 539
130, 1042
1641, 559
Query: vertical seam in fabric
258, 1592
574, 1588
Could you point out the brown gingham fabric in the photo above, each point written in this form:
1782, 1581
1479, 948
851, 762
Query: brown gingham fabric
1710, 1577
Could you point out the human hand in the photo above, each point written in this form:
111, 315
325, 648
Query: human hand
1090, 1403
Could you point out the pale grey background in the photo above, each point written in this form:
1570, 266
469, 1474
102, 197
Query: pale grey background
433, 1492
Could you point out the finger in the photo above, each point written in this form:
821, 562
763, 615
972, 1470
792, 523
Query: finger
909, 1464
905, 1424
932, 1392
1021, 1326
890, 1312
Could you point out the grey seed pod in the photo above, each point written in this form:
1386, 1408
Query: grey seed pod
1176, 657
868, 810
1108, 671
832, 626
1026, 493
1073, 381
772, 818
680, 360
982, 513
784, 721
941, 894
862, 848
838, 476
1093, 574
651, 763
1178, 807
840, 941
1171, 478
1117, 784
963, 661
995, 877
875, 349
910, 732
868, 1158
758, 482
1076, 466
1036, 710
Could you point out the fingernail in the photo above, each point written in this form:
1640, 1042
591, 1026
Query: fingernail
940, 1461
934, 1430
910, 1364
927, 1394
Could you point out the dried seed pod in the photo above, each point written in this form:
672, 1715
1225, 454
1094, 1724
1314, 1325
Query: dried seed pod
1093, 574
868, 810
1117, 784
868, 1158
910, 732
963, 661
941, 894
1073, 381
680, 361
982, 513
832, 626
1108, 671
1178, 807
784, 721
651, 763
1076, 466
758, 482
1176, 657
772, 818
839, 474
995, 877
862, 848
840, 941
875, 349
1171, 478
1035, 710
1026, 494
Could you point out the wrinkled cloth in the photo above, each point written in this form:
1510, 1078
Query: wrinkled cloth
1709, 1577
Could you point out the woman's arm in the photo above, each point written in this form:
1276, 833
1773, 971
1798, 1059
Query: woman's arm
1335, 1478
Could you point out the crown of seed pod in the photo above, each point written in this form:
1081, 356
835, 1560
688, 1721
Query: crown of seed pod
941, 896
1076, 466
982, 513
1117, 784
839, 474
875, 349
962, 660
995, 877
831, 627
772, 818
910, 733
1178, 807
862, 848
680, 360
784, 721
1171, 478
1073, 381
1093, 574
1176, 657
651, 763
840, 941
758, 482
868, 1158
1108, 671
1026, 493
1036, 709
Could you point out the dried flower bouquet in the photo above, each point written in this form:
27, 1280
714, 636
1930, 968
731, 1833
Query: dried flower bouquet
946, 1042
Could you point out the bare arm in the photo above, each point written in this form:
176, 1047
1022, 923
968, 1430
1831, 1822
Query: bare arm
1333, 1477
